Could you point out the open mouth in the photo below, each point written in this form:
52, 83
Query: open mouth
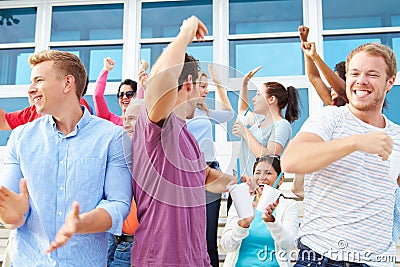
361, 93
37, 99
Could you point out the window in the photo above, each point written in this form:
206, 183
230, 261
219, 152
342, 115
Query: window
279, 56
17, 37
14, 66
347, 43
393, 104
17, 25
202, 51
82, 27
92, 57
91, 22
369, 14
265, 16
163, 19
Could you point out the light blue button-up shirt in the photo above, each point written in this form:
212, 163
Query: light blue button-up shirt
90, 165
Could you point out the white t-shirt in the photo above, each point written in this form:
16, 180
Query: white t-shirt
348, 206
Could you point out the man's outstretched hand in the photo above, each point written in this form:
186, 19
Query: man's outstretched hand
70, 227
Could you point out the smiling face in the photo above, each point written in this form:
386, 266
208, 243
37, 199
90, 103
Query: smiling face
367, 82
264, 173
46, 89
125, 100
130, 118
202, 84
260, 101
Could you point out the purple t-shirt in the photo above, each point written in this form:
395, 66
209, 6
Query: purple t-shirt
168, 185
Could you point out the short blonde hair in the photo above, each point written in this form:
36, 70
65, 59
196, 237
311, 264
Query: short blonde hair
64, 63
380, 50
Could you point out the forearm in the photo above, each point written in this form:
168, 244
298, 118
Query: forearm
258, 149
315, 79
243, 99
310, 156
217, 182
3, 121
100, 104
337, 83
284, 232
161, 88
233, 234
222, 99
298, 185
95, 221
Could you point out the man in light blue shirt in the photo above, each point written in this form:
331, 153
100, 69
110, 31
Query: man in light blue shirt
67, 158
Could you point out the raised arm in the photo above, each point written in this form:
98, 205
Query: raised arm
337, 83
3, 121
243, 102
221, 96
161, 88
100, 104
313, 73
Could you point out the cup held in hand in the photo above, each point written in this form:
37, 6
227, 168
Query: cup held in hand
242, 200
242, 119
269, 195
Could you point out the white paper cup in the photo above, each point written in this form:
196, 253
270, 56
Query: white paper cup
242, 200
269, 195
242, 119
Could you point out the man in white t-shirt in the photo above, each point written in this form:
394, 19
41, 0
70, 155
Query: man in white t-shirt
346, 152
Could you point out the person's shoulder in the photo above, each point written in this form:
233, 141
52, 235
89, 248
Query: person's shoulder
104, 125
392, 126
34, 125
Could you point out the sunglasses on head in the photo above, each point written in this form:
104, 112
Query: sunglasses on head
264, 157
128, 94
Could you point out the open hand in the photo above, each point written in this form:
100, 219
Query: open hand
13, 206
69, 228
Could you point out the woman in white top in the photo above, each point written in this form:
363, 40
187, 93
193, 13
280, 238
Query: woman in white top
270, 132
201, 127
266, 238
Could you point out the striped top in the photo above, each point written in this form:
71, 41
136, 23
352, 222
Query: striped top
348, 206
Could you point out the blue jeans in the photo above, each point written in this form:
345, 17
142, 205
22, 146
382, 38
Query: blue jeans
309, 258
119, 254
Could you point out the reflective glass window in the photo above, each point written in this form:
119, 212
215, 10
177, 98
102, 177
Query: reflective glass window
202, 51
347, 43
14, 67
17, 25
163, 19
91, 22
265, 16
280, 57
393, 104
92, 57
369, 14
9, 105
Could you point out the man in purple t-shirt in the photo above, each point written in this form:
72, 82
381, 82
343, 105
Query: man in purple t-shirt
169, 171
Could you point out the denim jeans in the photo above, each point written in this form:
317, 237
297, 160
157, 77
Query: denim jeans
119, 255
309, 258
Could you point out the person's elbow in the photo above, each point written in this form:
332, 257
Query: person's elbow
299, 192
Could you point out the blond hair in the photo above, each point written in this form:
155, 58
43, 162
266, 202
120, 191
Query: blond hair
64, 63
379, 50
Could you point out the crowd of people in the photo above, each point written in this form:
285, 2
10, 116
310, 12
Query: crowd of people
144, 188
